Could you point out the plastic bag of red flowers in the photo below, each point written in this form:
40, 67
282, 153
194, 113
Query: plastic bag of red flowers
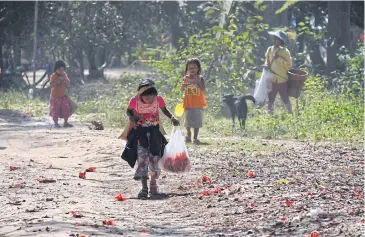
176, 157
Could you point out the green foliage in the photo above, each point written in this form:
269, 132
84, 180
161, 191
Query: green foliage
76, 26
286, 6
351, 80
227, 56
259, 5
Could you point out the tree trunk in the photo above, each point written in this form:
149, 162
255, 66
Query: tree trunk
8, 65
78, 62
301, 44
27, 53
273, 19
281, 20
265, 41
17, 79
301, 38
102, 61
101, 56
17, 52
115, 61
318, 63
338, 31
1, 57
171, 9
93, 70
130, 58
80, 58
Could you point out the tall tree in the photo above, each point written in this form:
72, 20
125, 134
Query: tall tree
338, 31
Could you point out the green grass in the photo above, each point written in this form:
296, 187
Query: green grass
20, 102
323, 116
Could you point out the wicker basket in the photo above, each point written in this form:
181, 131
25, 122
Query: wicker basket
296, 81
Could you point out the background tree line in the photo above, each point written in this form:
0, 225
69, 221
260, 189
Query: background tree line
95, 35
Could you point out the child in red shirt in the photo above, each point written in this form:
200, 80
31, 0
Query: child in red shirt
59, 101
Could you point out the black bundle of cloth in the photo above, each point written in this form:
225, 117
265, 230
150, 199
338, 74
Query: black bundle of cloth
149, 138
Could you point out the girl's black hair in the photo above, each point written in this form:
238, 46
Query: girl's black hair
193, 61
147, 83
59, 64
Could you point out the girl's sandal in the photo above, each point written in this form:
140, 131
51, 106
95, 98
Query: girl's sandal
143, 194
154, 192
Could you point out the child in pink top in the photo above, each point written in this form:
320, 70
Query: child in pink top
148, 113
143, 113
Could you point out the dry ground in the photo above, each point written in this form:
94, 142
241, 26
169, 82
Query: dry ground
325, 182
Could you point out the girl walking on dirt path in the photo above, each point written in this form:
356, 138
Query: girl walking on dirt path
193, 86
145, 142
60, 104
279, 61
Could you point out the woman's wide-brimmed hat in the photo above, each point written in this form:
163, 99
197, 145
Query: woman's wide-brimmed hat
280, 34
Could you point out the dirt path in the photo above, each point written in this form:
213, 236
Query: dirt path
327, 180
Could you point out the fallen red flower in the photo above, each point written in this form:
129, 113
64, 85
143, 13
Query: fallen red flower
205, 192
314, 234
109, 222
12, 168
76, 214
206, 180
90, 169
356, 193
82, 175
283, 219
119, 197
251, 174
289, 203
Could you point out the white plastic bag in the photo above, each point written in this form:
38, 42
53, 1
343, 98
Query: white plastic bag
263, 87
175, 158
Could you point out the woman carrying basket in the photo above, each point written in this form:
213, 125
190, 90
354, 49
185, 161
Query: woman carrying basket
279, 61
